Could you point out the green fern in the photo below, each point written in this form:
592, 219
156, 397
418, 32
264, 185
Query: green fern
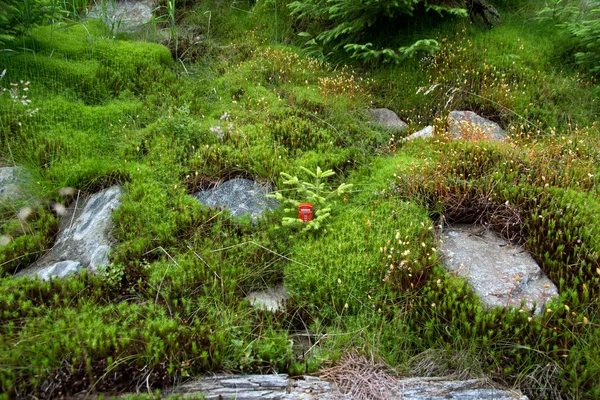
348, 23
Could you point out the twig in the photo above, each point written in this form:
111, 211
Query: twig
166, 270
209, 267
182, 64
264, 248
74, 210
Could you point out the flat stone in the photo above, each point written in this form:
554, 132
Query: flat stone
84, 239
424, 133
240, 196
387, 118
272, 299
470, 126
501, 274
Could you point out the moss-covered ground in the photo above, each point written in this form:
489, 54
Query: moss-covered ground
84, 109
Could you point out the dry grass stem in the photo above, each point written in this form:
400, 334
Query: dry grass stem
362, 378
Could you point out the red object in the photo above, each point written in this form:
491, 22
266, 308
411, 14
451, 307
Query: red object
305, 212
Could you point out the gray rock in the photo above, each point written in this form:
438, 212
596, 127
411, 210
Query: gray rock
123, 15
272, 299
240, 196
11, 181
500, 274
424, 133
99, 257
387, 118
60, 269
83, 240
470, 126
280, 387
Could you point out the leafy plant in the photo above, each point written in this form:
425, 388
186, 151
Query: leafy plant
314, 192
17, 17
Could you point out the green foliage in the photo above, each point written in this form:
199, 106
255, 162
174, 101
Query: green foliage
148, 219
345, 24
298, 134
17, 17
367, 53
18, 111
373, 252
74, 9
273, 20
80, 58
579, 22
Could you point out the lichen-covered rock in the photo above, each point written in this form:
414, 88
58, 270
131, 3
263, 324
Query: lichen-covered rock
240, 196
83, 240
470, 126
387, 118
501, 274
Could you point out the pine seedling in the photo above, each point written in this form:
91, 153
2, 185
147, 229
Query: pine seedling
314, 192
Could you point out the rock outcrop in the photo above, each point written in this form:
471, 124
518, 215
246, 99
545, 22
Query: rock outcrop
470, 126
387, 118
500, 274
280, 387
240, 196
83, 240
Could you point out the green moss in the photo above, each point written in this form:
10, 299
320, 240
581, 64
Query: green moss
361, 261
172, 301
69, 41
28, 238
80, 58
